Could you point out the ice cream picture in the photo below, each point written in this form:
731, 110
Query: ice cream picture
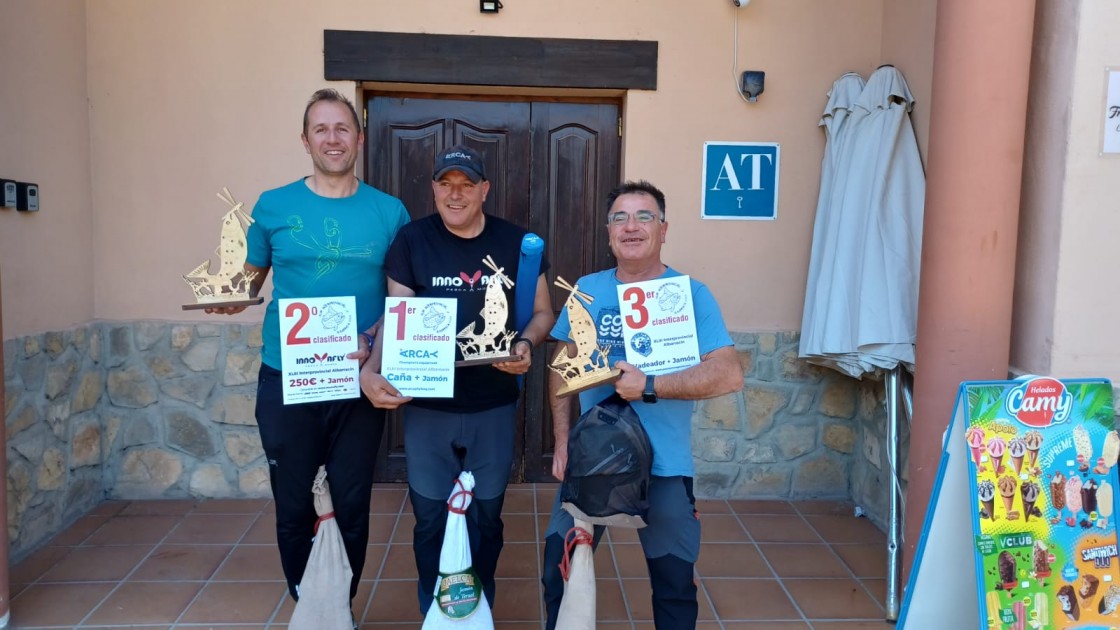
1017, 449
1104, 502
1087, 589
975, 437
1020, 611
1007, 569
1041, 557
1110, 450
1084, 447
1030, 491
986, 492
993, 609
1058, 492
1042, 609
1110, 601
1068, 603
1073, 498
1033, 440
996, 448
1007, 487
1089, 497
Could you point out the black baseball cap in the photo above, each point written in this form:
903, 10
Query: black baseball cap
463, 159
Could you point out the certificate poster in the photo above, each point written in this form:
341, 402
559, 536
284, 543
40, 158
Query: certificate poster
316, 334
659, 324
1043, 478
418, 346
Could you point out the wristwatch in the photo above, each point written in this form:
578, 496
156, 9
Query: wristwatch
649, 395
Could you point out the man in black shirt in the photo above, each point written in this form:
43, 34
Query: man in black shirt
440, 256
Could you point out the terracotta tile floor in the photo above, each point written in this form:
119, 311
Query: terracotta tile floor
779, 565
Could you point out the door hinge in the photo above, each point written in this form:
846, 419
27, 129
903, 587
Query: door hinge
365, 117
620, 126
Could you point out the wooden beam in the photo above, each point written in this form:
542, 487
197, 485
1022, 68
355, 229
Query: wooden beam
478, 60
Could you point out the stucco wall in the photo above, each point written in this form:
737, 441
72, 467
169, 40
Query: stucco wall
1085, 341
45, 257
908, 44
187, 97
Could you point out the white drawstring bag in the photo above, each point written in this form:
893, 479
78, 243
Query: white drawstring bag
577, 608
458, 602
324, 590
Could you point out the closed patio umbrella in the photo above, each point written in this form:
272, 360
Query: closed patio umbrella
861, 296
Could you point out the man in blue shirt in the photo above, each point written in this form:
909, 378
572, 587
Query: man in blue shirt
671, 542
324, 235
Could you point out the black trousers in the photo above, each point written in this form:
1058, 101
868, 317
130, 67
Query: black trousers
344, 435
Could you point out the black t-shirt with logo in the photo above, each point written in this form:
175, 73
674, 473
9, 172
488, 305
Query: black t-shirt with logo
427, 258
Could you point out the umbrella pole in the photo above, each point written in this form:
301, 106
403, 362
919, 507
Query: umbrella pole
892, 382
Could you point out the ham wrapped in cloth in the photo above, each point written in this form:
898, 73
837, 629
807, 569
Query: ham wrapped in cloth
324, 590
577, 609
458, 599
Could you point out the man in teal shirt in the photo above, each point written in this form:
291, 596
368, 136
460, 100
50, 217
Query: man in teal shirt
324, 235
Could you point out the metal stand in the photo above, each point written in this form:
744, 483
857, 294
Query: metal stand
897, 396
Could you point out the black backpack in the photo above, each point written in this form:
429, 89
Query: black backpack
609, 463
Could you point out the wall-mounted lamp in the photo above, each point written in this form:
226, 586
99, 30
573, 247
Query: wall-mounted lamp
753, 84
489, 6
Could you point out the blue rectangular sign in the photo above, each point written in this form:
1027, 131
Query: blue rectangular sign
740, 180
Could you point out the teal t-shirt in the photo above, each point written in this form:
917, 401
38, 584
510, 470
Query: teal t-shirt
668, 421
322, 247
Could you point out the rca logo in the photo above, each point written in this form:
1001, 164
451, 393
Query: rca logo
1040, 402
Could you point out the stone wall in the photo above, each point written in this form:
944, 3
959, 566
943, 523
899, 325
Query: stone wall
795, 431
129, 410
153, 409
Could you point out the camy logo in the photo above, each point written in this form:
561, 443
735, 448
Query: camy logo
1040, 402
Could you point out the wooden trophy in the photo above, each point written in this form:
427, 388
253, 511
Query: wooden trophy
494, 343
230, 285
589, 367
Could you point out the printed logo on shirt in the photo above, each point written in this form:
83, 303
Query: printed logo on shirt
609, 329
462, 282
327, 244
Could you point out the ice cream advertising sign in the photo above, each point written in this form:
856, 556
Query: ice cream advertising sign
1042, 473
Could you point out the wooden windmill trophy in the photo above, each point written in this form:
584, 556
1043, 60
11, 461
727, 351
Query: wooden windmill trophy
494, 343
589, 367
230, 284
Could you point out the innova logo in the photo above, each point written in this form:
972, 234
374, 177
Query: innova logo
319, 358
1040, 402
462, 280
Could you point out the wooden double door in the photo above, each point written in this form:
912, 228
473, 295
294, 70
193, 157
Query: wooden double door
550, 163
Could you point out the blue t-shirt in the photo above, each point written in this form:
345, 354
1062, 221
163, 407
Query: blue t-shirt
323, 247
668, 421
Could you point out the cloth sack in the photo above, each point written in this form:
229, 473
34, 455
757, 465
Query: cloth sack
458, 602
577, 608
324, 591
609, 464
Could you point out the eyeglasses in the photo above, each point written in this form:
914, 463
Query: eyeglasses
621, 218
